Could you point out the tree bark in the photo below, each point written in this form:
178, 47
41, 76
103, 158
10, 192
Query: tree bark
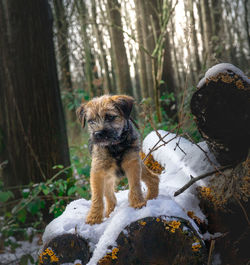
194, 37
62, 43
32, 128
201, 26
246, 18
207, 24
141, 54
124, 84
83, 13
148, 43
107, 82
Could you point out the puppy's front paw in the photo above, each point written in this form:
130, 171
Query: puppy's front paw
93, 219
138, 205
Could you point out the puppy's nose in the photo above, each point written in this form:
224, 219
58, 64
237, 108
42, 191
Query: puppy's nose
99, 134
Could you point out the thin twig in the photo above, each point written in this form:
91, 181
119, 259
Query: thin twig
161, 139
243, 209
211, 249
208, 158
193, 180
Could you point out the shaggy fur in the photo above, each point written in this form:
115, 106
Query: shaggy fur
114, 145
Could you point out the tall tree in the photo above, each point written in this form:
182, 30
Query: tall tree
246, 19
124, 84
98, 34
88, 64
62, 37
32, 127
194, 36
141, 53
207, 24
143, 14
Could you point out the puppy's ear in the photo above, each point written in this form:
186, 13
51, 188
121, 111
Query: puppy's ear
80, 113
124, 104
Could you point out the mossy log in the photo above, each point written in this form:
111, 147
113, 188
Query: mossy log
151, 240
67, 248
221, 108
161, 240
225, 202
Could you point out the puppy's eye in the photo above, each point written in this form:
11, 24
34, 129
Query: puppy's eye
109, 117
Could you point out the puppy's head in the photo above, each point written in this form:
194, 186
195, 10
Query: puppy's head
106, 117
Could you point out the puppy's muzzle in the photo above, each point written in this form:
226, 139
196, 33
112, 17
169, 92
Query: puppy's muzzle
101, 135
105, 136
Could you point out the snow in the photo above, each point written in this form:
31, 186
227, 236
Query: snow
179, 165
24, 248
222, 68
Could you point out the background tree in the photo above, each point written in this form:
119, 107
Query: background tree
33, 133
121, 66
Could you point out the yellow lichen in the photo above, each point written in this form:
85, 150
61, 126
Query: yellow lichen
151, 163
196, 246
142, 223
239, 84
41, 259
214, 78
226, 78
194, 217
172, 230
173, 225
114, 253
53, 258
49, 251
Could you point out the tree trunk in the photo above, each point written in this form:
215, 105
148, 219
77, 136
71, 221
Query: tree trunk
148, 43
246, 18
62, 43
194, 37
32, 128
207, 25
188, 45
83, 13
141, 54
201, 26
62, 37
176, 62
124, 84
220, 104
107, 82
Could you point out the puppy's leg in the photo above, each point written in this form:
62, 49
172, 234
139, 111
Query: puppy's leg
132, 167
109, 192
152, 182
95, 214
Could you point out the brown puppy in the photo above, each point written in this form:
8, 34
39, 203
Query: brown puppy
114, 146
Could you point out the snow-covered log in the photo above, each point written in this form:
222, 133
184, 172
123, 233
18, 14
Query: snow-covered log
161, 240
221, 108
167, 225
66, 248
